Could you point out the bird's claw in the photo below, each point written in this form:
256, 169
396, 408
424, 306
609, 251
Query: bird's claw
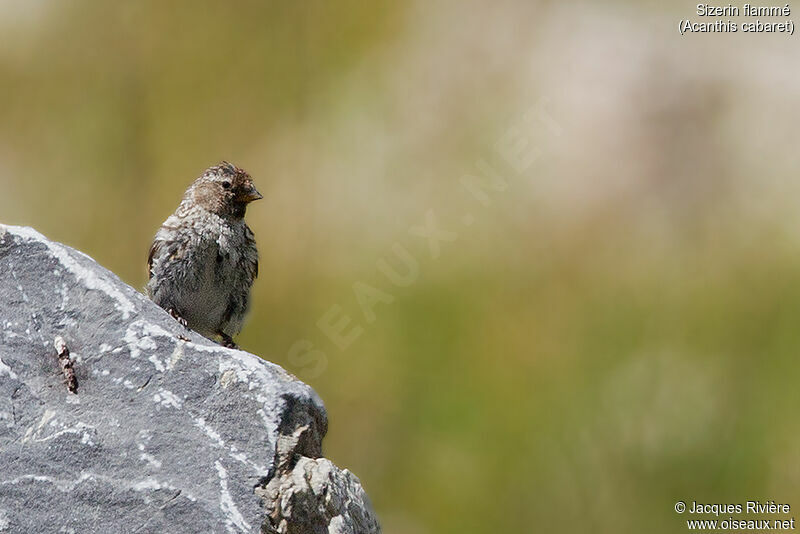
184, 323
227, 341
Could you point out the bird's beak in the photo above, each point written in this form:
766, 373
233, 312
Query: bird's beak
249, 195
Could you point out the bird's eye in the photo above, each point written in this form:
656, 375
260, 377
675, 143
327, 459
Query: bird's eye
226, 184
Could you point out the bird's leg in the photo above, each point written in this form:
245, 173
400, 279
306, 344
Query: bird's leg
227, 341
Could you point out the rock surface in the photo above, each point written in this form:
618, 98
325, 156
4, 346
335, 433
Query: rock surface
163, 434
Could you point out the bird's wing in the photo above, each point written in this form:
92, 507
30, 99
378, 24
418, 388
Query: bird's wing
155, 248
253, 256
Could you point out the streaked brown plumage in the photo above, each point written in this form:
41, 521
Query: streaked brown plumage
203, 260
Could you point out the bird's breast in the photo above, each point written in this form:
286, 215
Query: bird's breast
215, 276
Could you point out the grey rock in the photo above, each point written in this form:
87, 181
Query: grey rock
167, 433
316, 497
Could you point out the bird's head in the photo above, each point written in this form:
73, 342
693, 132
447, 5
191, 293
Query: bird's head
225, 190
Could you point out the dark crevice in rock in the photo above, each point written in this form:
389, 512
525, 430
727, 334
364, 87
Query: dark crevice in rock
146, 382
304, 492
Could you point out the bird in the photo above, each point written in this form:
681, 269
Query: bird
204, 259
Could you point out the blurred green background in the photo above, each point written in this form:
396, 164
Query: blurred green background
617, 330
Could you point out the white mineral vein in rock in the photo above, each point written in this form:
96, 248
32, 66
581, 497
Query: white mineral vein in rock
6, 370
232, 514
168, 398
87, 277
61, 485
233, 452
139, 337
150, 459
210, 432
